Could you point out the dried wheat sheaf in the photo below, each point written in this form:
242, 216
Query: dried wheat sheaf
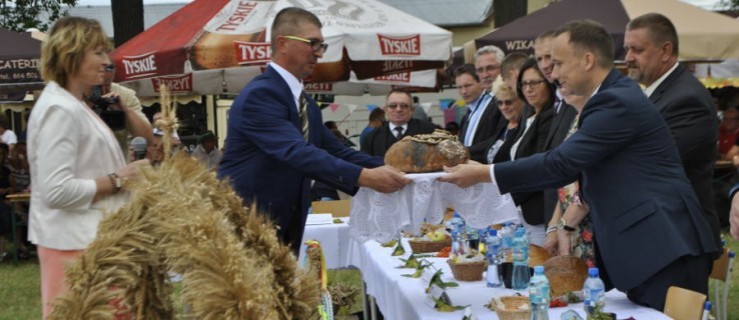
182, 219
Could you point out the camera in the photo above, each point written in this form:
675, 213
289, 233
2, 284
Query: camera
115, 119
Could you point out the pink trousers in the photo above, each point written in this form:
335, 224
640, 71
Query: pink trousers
52, 264
53, 282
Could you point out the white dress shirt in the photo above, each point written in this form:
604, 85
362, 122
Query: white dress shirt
296, 87
477, 108
649, 90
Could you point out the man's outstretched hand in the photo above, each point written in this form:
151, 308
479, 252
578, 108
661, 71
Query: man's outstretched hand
384, 179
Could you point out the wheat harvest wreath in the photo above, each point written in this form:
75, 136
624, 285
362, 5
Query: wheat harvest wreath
182, 219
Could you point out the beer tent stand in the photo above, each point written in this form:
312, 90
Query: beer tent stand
217, 46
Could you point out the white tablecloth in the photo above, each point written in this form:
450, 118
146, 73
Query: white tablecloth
403, 298
381, 216
334, 239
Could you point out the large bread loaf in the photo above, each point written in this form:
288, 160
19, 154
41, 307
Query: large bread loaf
426, 152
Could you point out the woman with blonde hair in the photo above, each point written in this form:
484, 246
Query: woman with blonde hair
78, 170
510, 107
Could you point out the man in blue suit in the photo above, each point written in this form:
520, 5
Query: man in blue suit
277, 142
650, 231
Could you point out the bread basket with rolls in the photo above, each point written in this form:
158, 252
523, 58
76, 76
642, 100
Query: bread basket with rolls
511, 307
467, 267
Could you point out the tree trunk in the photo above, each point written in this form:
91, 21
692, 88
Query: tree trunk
506, 11
128, 19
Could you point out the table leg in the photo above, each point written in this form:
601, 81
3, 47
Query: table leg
373, 308
13, 224
364, 301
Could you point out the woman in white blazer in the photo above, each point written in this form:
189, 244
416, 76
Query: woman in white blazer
77, 167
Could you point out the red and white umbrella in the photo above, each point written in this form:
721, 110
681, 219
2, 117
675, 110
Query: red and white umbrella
217, 46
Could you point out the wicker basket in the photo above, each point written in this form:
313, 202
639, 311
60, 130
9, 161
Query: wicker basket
467, 271
511, 311
428, 246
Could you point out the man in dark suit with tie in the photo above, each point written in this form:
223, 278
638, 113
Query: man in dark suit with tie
652, 58
650, 232
399, 109
483, 121
277, 142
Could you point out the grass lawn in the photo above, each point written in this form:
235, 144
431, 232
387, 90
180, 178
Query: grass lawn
20, 294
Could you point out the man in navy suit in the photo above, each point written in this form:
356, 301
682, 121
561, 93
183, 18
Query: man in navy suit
483, 120
564, 115
651, 45
650, 231
277, 142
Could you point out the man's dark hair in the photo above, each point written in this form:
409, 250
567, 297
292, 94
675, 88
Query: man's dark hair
288, 22
377, 114
589, 36
531, 64
3, 122
466, 69
513, 61
659, 28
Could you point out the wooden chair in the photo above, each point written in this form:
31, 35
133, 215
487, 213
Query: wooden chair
684, 304
339, 208
719, 280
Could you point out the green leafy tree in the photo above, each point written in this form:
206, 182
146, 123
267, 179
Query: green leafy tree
19, 15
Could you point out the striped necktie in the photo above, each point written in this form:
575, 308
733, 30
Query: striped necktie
398, 132
304, 115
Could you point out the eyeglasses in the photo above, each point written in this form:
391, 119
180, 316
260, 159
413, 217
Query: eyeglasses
488, 68
315, 44
532, 83
110, 67
398, 105
505, 102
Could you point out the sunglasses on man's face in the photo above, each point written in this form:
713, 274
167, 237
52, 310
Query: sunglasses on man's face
398, 106
505, 102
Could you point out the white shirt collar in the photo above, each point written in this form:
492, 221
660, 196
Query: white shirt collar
596, 90
477, 103
649, 90
295, 85
393, 126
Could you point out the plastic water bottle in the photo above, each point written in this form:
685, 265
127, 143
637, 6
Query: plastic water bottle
506, 243
456, 221
706, 310
473, 238
539, 295
459, 235
521, 273
493, 255
593, 292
